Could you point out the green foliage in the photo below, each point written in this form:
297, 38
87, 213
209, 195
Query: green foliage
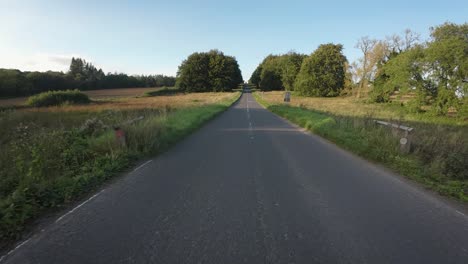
82, 75
435, 74
323, 73
402, 73
277, 72
52, 98
14, 83
208, 72
255, 78
291, 65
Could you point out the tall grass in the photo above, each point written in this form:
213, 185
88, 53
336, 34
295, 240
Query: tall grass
438, 157
45, 164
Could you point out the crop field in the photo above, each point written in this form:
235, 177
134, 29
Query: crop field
104, 94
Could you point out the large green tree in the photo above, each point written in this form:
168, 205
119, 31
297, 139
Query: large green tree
447, 65
270, 77
208, 71
435, 73
277, 72
323, 73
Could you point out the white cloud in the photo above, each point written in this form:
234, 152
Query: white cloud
37, 61
61, 62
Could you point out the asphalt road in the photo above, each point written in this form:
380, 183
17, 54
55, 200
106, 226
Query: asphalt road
251, 188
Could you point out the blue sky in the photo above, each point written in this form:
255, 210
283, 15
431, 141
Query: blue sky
149, 37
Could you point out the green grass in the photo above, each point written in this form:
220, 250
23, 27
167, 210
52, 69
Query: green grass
52, 98
45, 165
438, 155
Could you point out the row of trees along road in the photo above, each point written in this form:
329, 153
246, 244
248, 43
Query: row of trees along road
208, 72
431, 73
320, 74
81, 75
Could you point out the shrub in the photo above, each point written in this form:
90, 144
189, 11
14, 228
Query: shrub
52, 98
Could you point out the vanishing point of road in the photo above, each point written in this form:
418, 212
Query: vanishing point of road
249, 187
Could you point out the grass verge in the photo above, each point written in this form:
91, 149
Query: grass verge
437, 158
46, 167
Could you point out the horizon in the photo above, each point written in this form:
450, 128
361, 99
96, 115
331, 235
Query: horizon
142, 38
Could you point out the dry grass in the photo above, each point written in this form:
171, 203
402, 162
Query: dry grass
105, 94
353, 107
135, 103
118, 93
17, 101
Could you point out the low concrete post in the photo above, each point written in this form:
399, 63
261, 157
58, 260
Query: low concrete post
287, 97
405, 137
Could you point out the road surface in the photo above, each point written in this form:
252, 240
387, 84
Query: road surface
249, 187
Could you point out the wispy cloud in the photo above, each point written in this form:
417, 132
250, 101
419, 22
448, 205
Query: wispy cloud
37, 61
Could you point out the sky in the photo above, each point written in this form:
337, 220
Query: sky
154, 37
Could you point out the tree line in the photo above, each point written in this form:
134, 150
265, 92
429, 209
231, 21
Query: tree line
320, 74
432, 73
209, 72
81, 75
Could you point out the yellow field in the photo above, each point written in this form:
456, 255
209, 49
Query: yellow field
351, 106
133, 103
94, 95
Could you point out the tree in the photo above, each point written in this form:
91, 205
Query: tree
14, 83
208, 71
291, 65
82, 75
323, 72
435, 73
447, 64
270, 77
281, 71
255, 78
402, 73
365, 45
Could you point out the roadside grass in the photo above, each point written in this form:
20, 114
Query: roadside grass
52, 156
353, 107
438, 156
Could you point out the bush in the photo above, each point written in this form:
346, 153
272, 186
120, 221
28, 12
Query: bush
52, 98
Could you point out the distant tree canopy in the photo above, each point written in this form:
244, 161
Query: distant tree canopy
277, 72
435, 73
432, 73
323, 73
81, 75
209, 72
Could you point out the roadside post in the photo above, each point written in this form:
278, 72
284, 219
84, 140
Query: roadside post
287, 97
